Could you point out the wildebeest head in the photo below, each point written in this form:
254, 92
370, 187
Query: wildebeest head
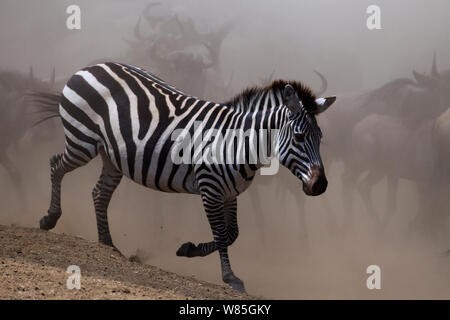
437, 86
178, 49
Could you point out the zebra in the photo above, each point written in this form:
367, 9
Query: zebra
127, 115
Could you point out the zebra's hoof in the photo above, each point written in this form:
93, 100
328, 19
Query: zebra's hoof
117, 251
235, 283
107, 241
187, 250
47, 222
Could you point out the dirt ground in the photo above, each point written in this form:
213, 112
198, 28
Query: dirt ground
33, 265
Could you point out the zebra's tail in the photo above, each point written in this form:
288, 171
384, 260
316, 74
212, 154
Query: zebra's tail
46, 104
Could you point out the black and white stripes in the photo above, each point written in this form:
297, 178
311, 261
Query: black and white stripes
129, 116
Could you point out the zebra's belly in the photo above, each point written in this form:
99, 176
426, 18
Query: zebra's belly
155, 174
179, 179
160, 173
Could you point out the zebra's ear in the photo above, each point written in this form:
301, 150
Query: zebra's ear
291, 100
323, 104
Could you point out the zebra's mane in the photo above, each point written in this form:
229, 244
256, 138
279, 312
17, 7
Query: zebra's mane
305, 94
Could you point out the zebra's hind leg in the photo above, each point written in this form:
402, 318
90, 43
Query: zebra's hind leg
101, 194
60, 164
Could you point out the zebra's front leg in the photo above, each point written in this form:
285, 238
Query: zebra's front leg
222, 217
191, 250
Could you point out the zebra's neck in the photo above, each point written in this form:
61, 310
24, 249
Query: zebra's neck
262, 110
265, 115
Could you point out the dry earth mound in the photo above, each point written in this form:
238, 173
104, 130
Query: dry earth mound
33, 265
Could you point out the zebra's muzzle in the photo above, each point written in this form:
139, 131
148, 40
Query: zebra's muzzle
317, 184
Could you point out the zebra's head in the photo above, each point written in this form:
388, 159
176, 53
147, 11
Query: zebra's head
299, 140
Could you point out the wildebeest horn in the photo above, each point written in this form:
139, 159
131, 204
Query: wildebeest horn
324, 83
216, 38
434, 71
137, 31
31, 75
179, 24
271, 76
132, 43
213, 56
188, 30
265, 81
213, 41
146, 12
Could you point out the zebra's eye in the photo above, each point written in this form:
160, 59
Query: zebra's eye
299, 137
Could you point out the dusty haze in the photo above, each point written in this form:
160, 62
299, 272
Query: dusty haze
296, 251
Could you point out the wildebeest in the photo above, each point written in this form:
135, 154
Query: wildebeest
16, 118
441, 136
374, 132
177, 51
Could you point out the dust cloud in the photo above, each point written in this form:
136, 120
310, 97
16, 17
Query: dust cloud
289, 246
